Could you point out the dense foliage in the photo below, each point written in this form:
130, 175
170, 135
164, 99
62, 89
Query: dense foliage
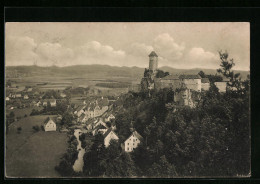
211, 139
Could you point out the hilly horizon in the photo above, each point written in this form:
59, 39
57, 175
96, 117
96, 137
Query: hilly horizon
103, 71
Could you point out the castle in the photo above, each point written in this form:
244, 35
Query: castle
186, 88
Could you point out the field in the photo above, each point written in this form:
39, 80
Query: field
22, 112
31, 154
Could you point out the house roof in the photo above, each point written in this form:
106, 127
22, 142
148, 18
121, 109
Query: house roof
100, 127
108, 132
153, 54
136, 134
81, 117
47, 120
170, 77
190, 77
204, 80
80, 107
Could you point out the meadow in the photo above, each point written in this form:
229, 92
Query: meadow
33, 154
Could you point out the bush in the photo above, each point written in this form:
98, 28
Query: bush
36, 128
19, 129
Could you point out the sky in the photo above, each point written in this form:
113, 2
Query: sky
178, 44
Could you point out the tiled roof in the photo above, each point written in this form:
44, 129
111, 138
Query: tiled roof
204, 80
153, 54
189, 77
136, 134
107, 132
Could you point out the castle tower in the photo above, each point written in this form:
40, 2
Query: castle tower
153, 61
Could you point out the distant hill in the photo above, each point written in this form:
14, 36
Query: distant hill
100, 71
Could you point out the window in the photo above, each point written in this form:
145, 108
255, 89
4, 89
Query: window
133, 140
133, 144
128, 144
128, 149
136, 139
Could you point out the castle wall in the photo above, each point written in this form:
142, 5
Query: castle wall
205, 86
194, 84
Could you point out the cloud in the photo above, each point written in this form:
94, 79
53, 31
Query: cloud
198, 57
54, 53
140, 49
96, 53
167, 47
20, 50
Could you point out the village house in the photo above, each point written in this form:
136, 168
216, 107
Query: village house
49, 125
80, 110
132, 141
99, 122
108, 136
83, 118
19, 95
7, 98
109, 118
97, 108
63, 95
38, 104
26, 97
29, 89
53, 103
99, 129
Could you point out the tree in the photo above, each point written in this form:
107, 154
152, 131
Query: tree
19, 129
36, 128
202, 74
162, 168
161, 74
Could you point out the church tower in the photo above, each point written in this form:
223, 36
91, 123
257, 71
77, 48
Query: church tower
153, 61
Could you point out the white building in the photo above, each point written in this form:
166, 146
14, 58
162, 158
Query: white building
53, 103
49, 125
26, 97
132, 141
108, 136
191, 81
7, 98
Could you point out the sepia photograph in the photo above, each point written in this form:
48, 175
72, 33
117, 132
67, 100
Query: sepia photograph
127, 100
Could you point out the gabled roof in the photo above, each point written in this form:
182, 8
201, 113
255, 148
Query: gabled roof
136, 134
204, 80
80, 107
47, 120
81, 117
153, 54
108, 132
170, 77
100, 127
190, 77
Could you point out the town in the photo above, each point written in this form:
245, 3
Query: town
94, 118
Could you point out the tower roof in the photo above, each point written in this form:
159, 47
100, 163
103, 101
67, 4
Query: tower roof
153, 54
